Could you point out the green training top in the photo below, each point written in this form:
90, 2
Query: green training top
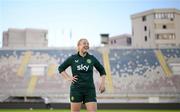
83, 68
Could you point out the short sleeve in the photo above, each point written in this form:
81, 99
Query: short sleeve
99, 67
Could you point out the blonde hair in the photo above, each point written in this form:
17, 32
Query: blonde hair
79, 41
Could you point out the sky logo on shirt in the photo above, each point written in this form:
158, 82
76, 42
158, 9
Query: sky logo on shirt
82, 67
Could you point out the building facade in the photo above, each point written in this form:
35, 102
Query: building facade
19, 38
120, 40
156, 28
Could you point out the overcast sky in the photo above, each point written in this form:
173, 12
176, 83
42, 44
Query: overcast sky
69, 20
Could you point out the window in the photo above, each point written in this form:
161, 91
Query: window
145, 38
157, 36
164, 15
144, 18
132, 31
165, 36
45, 36
114, 41
129, 40
145, 28
164, 26
156, 16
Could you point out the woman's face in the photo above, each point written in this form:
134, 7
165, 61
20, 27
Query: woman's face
83, 46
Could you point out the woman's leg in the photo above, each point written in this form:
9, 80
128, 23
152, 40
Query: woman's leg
91, 106
75, 107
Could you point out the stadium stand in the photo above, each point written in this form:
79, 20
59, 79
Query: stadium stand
137, 75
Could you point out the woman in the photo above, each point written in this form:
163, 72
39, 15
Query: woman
82, 88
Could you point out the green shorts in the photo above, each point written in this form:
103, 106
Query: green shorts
82, 95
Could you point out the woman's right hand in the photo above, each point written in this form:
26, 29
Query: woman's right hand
67, 77
73, 79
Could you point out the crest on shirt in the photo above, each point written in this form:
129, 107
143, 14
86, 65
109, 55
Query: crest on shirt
72, 98
88, 61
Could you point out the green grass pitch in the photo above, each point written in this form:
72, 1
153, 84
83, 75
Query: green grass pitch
59, 110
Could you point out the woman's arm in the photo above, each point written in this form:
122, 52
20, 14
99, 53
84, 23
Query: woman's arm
102, 72
62, 71
68, 77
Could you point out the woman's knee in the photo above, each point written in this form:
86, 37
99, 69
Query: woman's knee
91, 106
75, 107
